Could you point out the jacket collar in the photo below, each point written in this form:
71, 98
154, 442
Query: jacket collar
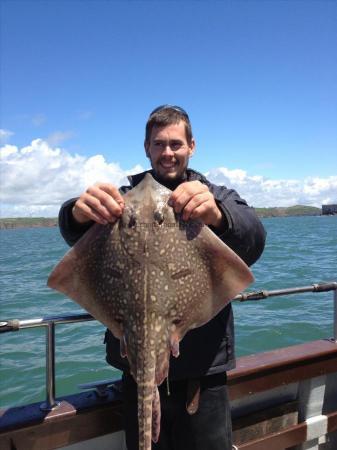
190, 175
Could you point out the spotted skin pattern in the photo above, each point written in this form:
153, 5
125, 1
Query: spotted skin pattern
150, 278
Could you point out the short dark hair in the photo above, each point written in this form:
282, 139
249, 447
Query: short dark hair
168, 115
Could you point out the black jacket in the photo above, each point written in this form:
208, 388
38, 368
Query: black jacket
209, 349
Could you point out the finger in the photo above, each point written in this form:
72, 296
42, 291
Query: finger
178, 191
102, 205
105, 199
201, 212
113, 192
179, 202
184, 192
189, 211
209, 213
89, 213
87, 208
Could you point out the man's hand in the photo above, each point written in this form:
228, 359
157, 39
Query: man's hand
101, 203
194, 200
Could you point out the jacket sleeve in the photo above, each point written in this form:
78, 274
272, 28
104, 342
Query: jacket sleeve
71, 230
243, 231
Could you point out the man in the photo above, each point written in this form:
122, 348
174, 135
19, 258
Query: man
195, 406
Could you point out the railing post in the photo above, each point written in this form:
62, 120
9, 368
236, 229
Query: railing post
335, 315
50, 402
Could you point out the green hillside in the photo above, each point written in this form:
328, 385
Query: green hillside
298, 210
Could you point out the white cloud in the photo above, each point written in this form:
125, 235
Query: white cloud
264, 192
36, 179
38, 120
58, 137
5, 135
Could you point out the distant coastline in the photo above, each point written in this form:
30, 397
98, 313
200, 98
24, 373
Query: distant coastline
27, 222
298, 210
38, 222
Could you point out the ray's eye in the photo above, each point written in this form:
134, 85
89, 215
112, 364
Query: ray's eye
158, 217
176, 321
132, 221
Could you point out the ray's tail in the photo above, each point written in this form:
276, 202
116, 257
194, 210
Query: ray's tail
148, 403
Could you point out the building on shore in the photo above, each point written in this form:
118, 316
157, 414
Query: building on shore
329, 209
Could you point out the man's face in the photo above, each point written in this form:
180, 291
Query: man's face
169, 151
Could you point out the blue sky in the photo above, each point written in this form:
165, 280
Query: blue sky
258, 79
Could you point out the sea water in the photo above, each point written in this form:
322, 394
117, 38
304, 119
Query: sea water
299, 251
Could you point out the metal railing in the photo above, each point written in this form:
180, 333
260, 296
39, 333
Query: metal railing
50, 322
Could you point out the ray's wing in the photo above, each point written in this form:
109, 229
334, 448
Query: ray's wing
90, 278
204, 275
229, 273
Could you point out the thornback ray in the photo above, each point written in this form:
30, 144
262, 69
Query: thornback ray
150, 278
